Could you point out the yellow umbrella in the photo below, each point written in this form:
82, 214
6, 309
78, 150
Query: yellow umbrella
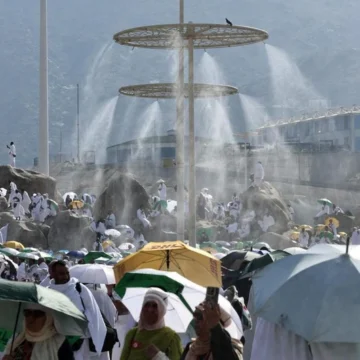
76, 204
294, 235
307, 227
335, 221
14, 245
343, 234
194, 264
107, 243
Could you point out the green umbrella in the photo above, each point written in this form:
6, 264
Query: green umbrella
322, 201
101, 260
28, 256
29, 250
16, 296
93, 255
9, 251
263, 261
53, 205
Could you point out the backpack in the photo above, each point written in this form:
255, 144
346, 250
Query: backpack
111, 337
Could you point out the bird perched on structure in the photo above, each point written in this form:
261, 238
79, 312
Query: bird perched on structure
228, 22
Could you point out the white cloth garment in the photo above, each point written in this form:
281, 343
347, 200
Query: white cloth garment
46, 281
232, 228
96, 325
325, 210
292, 212
162, 191
304, 239
355, 237
19, 212
266, 222
139, 241
244, 230
142, 217
273, 342
109, 311
12, 155
332, 228
110, 221
21, 273
259, 174
26, 201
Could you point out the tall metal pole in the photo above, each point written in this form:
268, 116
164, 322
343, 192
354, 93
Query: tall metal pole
180, 135
192, 180
43, 96
78, 121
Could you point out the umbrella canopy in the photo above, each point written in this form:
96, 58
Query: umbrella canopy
105, 244
93, 255
76, 204
43, 255
307, 227
237, 260
53, 205
113, 233
263, 261
29, 249
312, 295
3, 192
14, 245
326, 201
9, 251
194, 264
184, 296
15, 295
101, 261
295, 250
160, 181
93, 273
76, 254
28, 256
335, 221
71, 194
295, 235
126, 246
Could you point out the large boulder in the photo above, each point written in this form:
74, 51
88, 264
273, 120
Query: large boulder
124, 195
267, 197
28, 233
31, 181
66, 230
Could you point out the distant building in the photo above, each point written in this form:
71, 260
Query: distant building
332, 129
158, 151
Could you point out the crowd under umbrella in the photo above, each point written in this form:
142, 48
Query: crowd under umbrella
184, 296
312, 295
194, 264
17, 296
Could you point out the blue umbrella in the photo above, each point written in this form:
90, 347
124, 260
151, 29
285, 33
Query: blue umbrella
76, 254
312, 295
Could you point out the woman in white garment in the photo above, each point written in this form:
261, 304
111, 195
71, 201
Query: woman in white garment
26, 201
162, 190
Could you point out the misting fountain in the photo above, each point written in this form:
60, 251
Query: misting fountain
190, 36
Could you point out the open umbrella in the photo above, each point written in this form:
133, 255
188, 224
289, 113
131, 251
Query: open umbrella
76, 254
237, 260
43, 255
29, 249
76, 204
28, 256
262, 261
3, 192
295, 250
14, 296
93, 273
196, 265
312, 295
53, 205
9, 251
105, 244
326, 201
14, 245
101, 261
335, 221
93, 255
184, 296
126, 246
113, 233
72, 195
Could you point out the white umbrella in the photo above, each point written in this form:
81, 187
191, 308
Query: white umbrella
10, 252
295, 250
113, 233
3, 192
160, 181
93, 274
354, 250
178, 316
71, 194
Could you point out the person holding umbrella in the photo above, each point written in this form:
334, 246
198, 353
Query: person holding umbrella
39, 339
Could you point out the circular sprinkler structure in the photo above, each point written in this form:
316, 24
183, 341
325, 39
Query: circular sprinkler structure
170, 90
187, 36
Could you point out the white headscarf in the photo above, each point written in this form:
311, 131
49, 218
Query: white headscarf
160, 297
